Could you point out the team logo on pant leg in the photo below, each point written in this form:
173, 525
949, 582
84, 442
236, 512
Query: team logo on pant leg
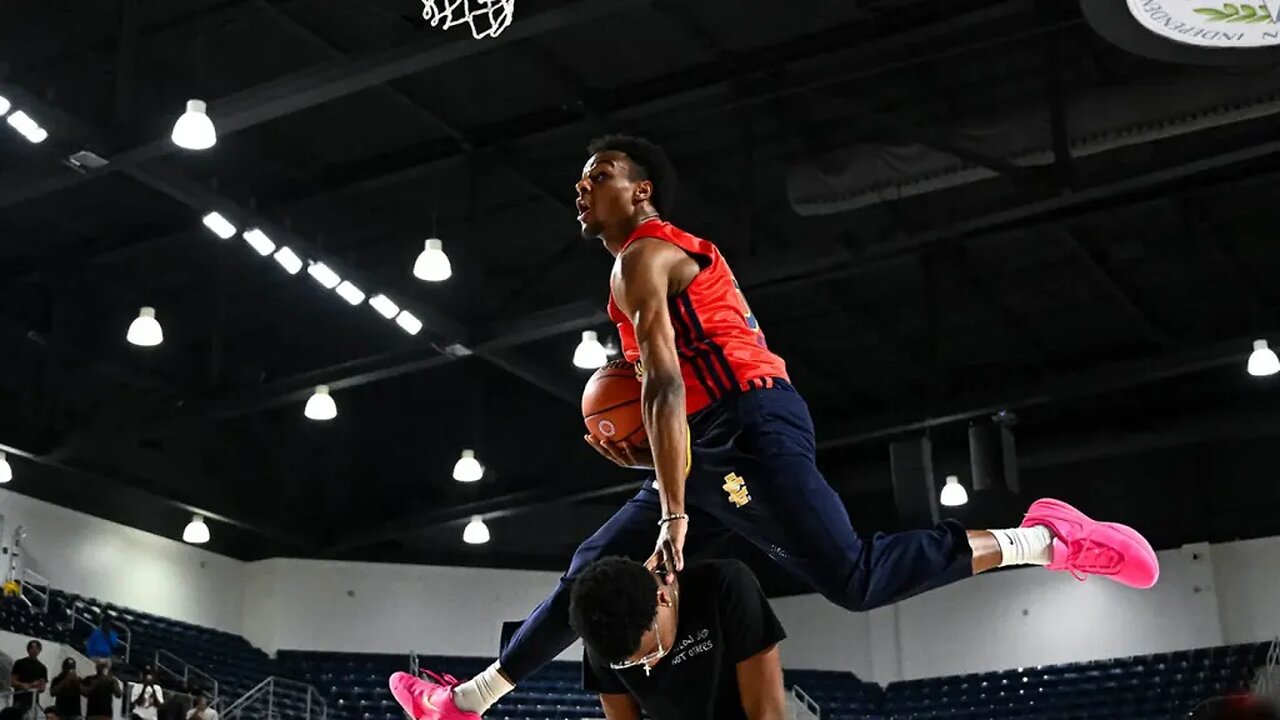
736, 487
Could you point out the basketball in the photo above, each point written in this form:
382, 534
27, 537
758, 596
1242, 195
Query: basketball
611, 404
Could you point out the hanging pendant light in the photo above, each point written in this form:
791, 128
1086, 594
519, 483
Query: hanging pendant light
145, 330
194, 130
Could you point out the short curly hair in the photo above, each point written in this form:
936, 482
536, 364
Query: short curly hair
649, 162
612, 605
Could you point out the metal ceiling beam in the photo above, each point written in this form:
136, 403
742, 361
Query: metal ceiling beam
833, 44
833, 40
537, 326
449, 337
1230, 424
131, 488
1063, 386
465, 143
317, 85
944, 141
417, 523
1119, 376
1124, 298
775, 277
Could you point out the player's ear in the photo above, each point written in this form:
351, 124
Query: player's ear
642, 192
664, 596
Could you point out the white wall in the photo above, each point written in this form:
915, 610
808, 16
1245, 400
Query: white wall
823, 635
52, 655
1030, 616
1017, 618
114, 563
368, 607
1248, 585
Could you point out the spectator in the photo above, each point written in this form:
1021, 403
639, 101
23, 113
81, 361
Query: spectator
101, 691
6, 670
66, 692
28, 677
103, 641
145, 699
51, 713
176, 705
1237, 707
202, 711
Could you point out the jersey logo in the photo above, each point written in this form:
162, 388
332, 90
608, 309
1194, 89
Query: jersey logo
749, 317
736, 487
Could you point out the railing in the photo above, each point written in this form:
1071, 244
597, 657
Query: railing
1265, 682
7, 697
126, 635
806, 703
266, 702
170, 663
39, 586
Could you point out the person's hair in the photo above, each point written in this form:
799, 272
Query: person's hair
648, 162
51, 710
612, 604
68, 663
34, 644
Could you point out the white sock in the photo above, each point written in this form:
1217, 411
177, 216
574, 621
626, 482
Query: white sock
482, 691
1025, 546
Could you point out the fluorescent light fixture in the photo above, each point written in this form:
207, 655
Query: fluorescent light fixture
259, 241
409, 322
350, 293
288, 260
384, 305
324, 275
220, 226
29, 128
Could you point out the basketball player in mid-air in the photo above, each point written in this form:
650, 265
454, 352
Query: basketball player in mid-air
732, 450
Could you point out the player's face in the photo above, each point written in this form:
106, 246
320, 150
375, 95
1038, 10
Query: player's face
606, 193
658, 640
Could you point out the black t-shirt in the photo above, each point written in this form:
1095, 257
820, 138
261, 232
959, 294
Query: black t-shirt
28, 670
101, 693
724, 618
66, 696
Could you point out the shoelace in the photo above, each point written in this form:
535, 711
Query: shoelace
446, 680
1087, 556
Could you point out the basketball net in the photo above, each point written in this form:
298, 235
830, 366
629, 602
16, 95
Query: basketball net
487, 18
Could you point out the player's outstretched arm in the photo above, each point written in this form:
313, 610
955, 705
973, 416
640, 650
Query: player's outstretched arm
760, 686
620, 707
641, 288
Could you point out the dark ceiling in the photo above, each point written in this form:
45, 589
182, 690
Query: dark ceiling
1107, 297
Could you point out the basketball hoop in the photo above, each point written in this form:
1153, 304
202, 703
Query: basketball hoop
487, 18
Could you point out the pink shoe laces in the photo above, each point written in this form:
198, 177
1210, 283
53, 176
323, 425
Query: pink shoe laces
1086, 556
446, 680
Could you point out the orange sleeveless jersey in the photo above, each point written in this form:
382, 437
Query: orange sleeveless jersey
722, 350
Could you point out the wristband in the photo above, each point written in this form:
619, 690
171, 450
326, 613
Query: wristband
672, 518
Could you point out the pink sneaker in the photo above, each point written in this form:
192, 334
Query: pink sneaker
426, 700
1083, 546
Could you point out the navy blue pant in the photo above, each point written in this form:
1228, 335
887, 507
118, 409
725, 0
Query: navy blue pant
783, 505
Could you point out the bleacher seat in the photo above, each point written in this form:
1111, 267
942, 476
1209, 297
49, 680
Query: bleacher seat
1148, 687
